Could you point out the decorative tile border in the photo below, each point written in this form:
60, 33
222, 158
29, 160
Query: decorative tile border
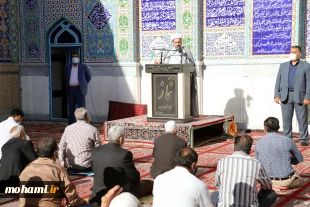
99, 45
14, 46
293, 40
5, 32
307, 30
229, 44
32, 31
55, 9
124, 36
186, 24
224, 42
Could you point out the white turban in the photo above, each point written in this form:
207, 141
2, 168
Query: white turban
125, 200
176, 36
170, 126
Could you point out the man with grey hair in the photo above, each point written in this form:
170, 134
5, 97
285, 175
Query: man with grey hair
17, 153
77, 142
165, 149
113, 165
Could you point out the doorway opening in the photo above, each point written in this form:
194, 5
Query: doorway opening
64, 39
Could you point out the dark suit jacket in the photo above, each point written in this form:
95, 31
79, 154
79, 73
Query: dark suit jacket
84, 77
112, 166
301, 82
164, 152
16, 155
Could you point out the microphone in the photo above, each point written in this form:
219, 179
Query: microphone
180, 49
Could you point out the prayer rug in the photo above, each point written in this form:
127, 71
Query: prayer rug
209, 155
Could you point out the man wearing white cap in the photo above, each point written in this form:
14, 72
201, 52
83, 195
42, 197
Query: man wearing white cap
165, 149
182, 55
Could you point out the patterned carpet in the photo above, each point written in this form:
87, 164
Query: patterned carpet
209, 154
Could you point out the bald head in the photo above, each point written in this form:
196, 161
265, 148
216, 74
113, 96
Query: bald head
186, 157
243, 143
17, 132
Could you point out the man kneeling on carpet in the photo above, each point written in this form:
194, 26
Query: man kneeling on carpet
46, 169
236, 178
113, 166
165, 149
77, 142
277, 153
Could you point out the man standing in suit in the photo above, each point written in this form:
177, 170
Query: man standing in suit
77, 77
17, 153
165, 149
113, 165
292, 91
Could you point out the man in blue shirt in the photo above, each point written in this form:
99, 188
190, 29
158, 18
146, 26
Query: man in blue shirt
292, 91
277, 153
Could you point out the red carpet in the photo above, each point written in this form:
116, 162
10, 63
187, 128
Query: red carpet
208, 158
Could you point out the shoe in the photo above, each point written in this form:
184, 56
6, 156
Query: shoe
304, 144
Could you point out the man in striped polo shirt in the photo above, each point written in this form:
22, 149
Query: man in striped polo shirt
277, 153
236, 179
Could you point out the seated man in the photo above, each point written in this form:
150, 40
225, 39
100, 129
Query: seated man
277, 153
165, 149
46, 169
113, 165
179, 186
77, 142
17, 153
15, 119
236, 178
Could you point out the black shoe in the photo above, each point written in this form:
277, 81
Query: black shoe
304, 144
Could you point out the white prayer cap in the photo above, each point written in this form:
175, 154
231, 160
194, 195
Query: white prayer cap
176, 36
170, 126
125, 200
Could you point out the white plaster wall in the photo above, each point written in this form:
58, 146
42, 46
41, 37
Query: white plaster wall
35, 94
103, 89
253, 83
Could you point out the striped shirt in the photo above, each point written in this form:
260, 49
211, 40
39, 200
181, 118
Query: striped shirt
76, 144
275, 152
236, 178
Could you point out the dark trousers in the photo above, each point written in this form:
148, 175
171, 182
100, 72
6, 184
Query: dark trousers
265, 197
287, 108
75, 97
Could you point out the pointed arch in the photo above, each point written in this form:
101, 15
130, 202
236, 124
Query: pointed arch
64, 32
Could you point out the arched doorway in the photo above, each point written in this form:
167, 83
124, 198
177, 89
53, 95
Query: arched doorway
63, 39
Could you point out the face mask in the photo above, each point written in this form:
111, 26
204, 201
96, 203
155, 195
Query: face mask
293, 56
75, 60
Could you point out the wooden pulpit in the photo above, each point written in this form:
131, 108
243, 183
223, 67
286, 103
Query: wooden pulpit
170, 92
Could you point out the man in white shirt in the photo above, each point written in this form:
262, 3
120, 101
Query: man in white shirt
237, 176
179, 186
77, 77
15, 119
179, 54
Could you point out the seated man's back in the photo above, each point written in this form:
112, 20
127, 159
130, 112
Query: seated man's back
77, 142
113, 166
237, 176
17, 153
179, 186
46, 169
165, 150
277, 153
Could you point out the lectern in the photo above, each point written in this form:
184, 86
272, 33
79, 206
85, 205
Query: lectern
170, 97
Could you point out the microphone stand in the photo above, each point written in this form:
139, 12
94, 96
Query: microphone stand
161, 53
